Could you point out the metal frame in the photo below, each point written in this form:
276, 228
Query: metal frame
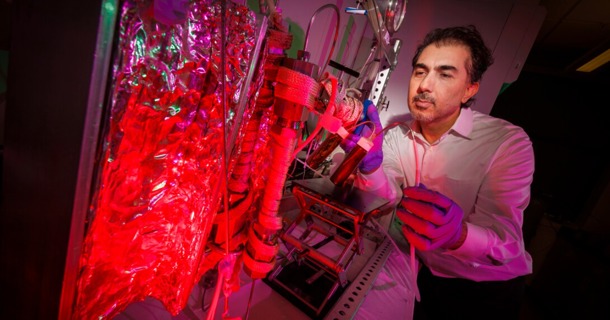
323, 209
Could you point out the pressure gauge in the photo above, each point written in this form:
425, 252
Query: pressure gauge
394, 14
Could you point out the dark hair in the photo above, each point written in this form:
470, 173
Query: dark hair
480, 55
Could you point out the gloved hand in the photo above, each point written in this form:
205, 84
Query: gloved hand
374, 157
431, 220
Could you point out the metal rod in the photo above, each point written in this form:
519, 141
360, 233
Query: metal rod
250, 299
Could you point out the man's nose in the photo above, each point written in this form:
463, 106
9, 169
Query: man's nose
426, 84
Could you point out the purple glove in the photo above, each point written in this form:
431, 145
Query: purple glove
431, 220
374, 157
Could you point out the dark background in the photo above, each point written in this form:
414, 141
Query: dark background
566, 223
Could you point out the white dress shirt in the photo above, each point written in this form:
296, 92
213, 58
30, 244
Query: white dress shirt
486, 166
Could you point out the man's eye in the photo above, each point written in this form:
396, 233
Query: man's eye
445, 75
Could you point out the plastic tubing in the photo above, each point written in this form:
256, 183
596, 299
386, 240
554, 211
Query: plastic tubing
332, 48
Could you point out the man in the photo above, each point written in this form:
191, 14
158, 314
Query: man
460, 180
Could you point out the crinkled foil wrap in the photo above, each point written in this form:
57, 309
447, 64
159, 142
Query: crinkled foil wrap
157, 189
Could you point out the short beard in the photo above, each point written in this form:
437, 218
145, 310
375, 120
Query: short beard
420, 116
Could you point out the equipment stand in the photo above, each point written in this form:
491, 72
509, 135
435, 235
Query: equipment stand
323, 242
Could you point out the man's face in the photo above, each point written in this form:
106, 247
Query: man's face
440, 83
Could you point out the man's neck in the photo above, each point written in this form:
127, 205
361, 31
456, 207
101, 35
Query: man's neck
433, 131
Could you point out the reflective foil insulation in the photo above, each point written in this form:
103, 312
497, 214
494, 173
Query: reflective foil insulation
161, 177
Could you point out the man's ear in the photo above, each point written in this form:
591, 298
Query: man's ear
471, 90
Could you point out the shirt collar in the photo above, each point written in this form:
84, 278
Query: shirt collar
463, 124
